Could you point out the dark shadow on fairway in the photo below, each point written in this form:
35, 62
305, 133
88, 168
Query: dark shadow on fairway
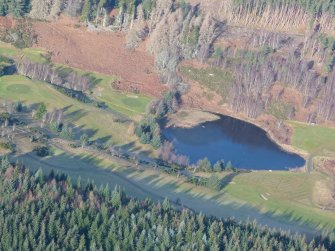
78, 131
151, 186
76, 115
227, 179
103, 140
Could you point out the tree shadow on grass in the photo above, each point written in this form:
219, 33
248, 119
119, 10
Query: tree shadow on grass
157, 188
227, 179
76, 115
103, 140
78, 131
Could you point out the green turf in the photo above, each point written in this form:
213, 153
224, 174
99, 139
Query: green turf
288, 193
214, 78
314, 139
33, 54
129, 105
101, 123
18, 88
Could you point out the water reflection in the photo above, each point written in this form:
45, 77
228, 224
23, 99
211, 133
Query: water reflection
245, 145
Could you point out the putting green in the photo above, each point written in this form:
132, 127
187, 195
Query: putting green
132, 102
18, 88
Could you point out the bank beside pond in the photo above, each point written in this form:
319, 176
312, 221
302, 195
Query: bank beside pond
188, 118
246, 145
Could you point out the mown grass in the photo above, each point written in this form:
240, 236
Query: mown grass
128, 104
95, 122
214, 78
314, 139
288, 194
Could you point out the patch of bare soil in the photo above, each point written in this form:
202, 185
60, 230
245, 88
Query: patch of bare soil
103, 52
188, 118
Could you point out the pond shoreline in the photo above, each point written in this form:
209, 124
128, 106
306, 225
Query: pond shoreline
189, 118
192, 120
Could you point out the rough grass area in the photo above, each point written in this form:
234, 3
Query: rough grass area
314, 139
33, 54
127, 104
97, 123
214, 78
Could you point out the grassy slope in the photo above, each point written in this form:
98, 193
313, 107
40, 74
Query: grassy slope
215, 79
130, 105
290, 193
315, 139
289, 200
19, 88
34, 55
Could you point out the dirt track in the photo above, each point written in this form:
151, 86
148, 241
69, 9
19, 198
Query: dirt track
102, 52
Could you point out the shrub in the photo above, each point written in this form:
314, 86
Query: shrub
41, 111
148, 131
213, 182
18, 106
7, 146
66, 133
21, 36
204, 165
219, 166
42, 151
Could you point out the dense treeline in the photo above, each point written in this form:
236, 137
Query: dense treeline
288, 15
317, 8
148, 129
176, 31
63, 77
50, 213
16, 8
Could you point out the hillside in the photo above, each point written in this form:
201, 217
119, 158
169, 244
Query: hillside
40, 212
224, 107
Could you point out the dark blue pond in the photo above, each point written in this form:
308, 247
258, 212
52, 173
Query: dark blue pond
245, 145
